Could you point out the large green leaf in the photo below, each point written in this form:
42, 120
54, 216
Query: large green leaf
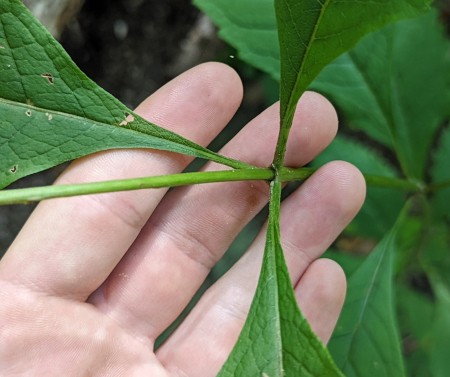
440, 173
313, 33
435, 258
276, 339
366, 340
251, 27
439, 340
382, 205
415, 313
51, 112
395, 86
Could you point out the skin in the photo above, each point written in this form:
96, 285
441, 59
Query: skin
91, 282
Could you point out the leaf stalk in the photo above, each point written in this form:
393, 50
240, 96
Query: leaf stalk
284, 174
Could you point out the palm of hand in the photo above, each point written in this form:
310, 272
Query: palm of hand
52, 335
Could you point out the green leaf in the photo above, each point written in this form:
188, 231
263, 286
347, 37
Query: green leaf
434, 341
395, 86
251, 27
51, 112
276, 339
366, 340
435, 252
440, 173
313, 33
415, 313
439, 339
347, 260
382, 205
423, 309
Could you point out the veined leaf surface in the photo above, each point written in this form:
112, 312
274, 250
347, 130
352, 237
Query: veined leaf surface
394, 86
366, 342
276, 340
51, 112
313, 33
251, 27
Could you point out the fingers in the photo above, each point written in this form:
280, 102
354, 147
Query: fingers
68, 247
193, 226
321, 294
311, 218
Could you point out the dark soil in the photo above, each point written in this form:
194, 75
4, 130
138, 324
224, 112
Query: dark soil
130, 48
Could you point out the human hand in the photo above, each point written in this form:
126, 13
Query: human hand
92, 281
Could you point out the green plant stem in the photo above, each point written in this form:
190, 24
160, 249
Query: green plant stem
438, 186
286, 125
34, 194
288, 174
394, 183
174, 180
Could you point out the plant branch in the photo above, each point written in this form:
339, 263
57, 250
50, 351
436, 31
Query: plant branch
34, 194
406, 185
288, 174
27, 195
438, 186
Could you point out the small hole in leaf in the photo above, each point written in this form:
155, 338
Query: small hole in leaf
49, 78
128, 119
13, 169
28, 112
49, 116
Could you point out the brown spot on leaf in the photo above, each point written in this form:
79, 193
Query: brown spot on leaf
49, 78
13, 169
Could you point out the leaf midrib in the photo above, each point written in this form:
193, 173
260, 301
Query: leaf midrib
292, 106
212, 156
365, 302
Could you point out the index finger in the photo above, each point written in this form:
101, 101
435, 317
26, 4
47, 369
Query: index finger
69, 246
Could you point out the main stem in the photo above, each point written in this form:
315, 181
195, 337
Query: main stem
27, 195
34, 194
